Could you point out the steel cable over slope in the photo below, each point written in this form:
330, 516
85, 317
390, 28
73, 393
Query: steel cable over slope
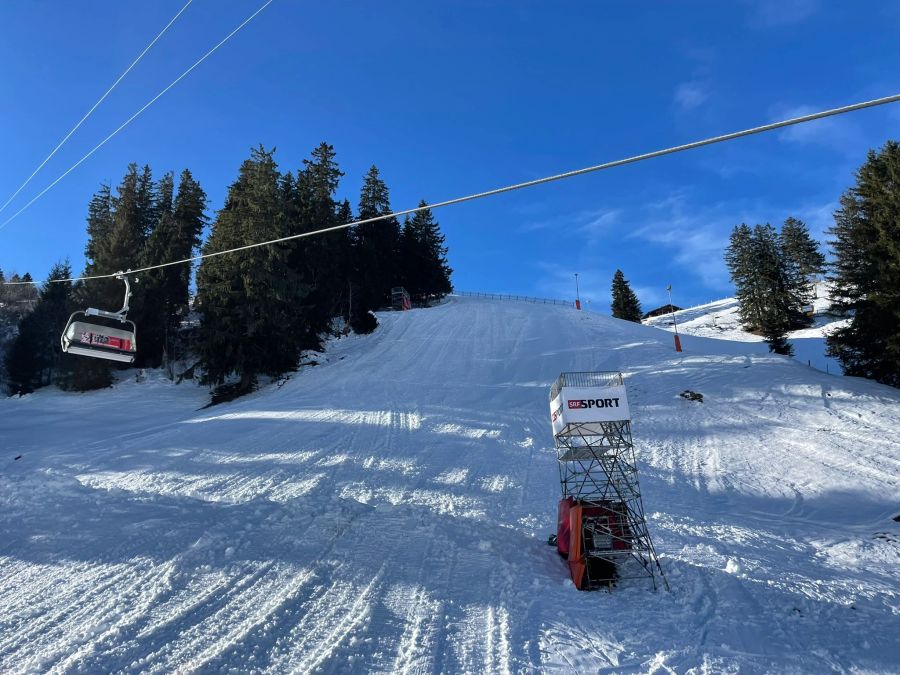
508, 188
96, 105
135, 115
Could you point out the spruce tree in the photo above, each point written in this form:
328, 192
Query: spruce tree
35, 352
854, 270
768, 285
323, 261
344, 215
118, 227
625, 303
423, 257
742, 265
866, 270
248, 300
154, 303
176, 235
375, 247
800, 248
805, 262
779, 306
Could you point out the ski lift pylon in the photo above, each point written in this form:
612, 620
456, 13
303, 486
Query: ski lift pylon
85, 338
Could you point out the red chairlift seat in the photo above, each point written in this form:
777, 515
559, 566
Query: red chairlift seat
96, 340
104, 342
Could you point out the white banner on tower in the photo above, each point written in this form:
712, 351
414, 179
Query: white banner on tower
579, 405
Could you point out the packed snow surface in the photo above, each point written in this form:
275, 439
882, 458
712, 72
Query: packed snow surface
720, 320
388, 510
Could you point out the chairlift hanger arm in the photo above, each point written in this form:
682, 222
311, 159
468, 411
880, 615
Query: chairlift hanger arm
122, 313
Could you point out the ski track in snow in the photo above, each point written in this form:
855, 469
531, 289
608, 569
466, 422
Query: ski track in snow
387, 511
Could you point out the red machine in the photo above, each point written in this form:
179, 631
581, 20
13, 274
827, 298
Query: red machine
590, 536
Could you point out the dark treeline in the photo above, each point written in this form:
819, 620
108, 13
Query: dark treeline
258, 309
774, 273
144, 223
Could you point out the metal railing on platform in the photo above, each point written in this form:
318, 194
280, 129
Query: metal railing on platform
515, 298
604, 378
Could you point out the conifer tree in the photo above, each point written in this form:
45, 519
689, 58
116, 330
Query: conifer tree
803, 259
322, 261
99, 227
779, 307
766, 289
153, 292
176, 235
800, 248
35, 352
118, 227
625, 303
423, 257
742, 265
375, 247
866, 270
247, 300
344, 215
853, 270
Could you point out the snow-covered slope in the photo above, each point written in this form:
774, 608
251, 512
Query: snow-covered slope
720, 320
387, 511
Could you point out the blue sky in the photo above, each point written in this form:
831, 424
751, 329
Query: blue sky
453, 98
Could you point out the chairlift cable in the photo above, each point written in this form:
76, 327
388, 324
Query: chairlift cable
95, 106
135, 115
509, 188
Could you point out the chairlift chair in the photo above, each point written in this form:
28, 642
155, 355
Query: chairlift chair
85, 338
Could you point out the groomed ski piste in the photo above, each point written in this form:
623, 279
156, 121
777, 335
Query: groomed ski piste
720, 320
388, 509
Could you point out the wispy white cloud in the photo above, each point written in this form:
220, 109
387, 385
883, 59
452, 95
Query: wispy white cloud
698, 233
598, 223
689, 95
650, 297
592, 224
819, 217
694, 232
696, 89
770, 13
841, 134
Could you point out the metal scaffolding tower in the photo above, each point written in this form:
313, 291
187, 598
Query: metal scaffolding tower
602, 527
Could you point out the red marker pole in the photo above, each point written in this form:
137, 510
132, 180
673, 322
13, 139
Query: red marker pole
577, 297
674, 322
